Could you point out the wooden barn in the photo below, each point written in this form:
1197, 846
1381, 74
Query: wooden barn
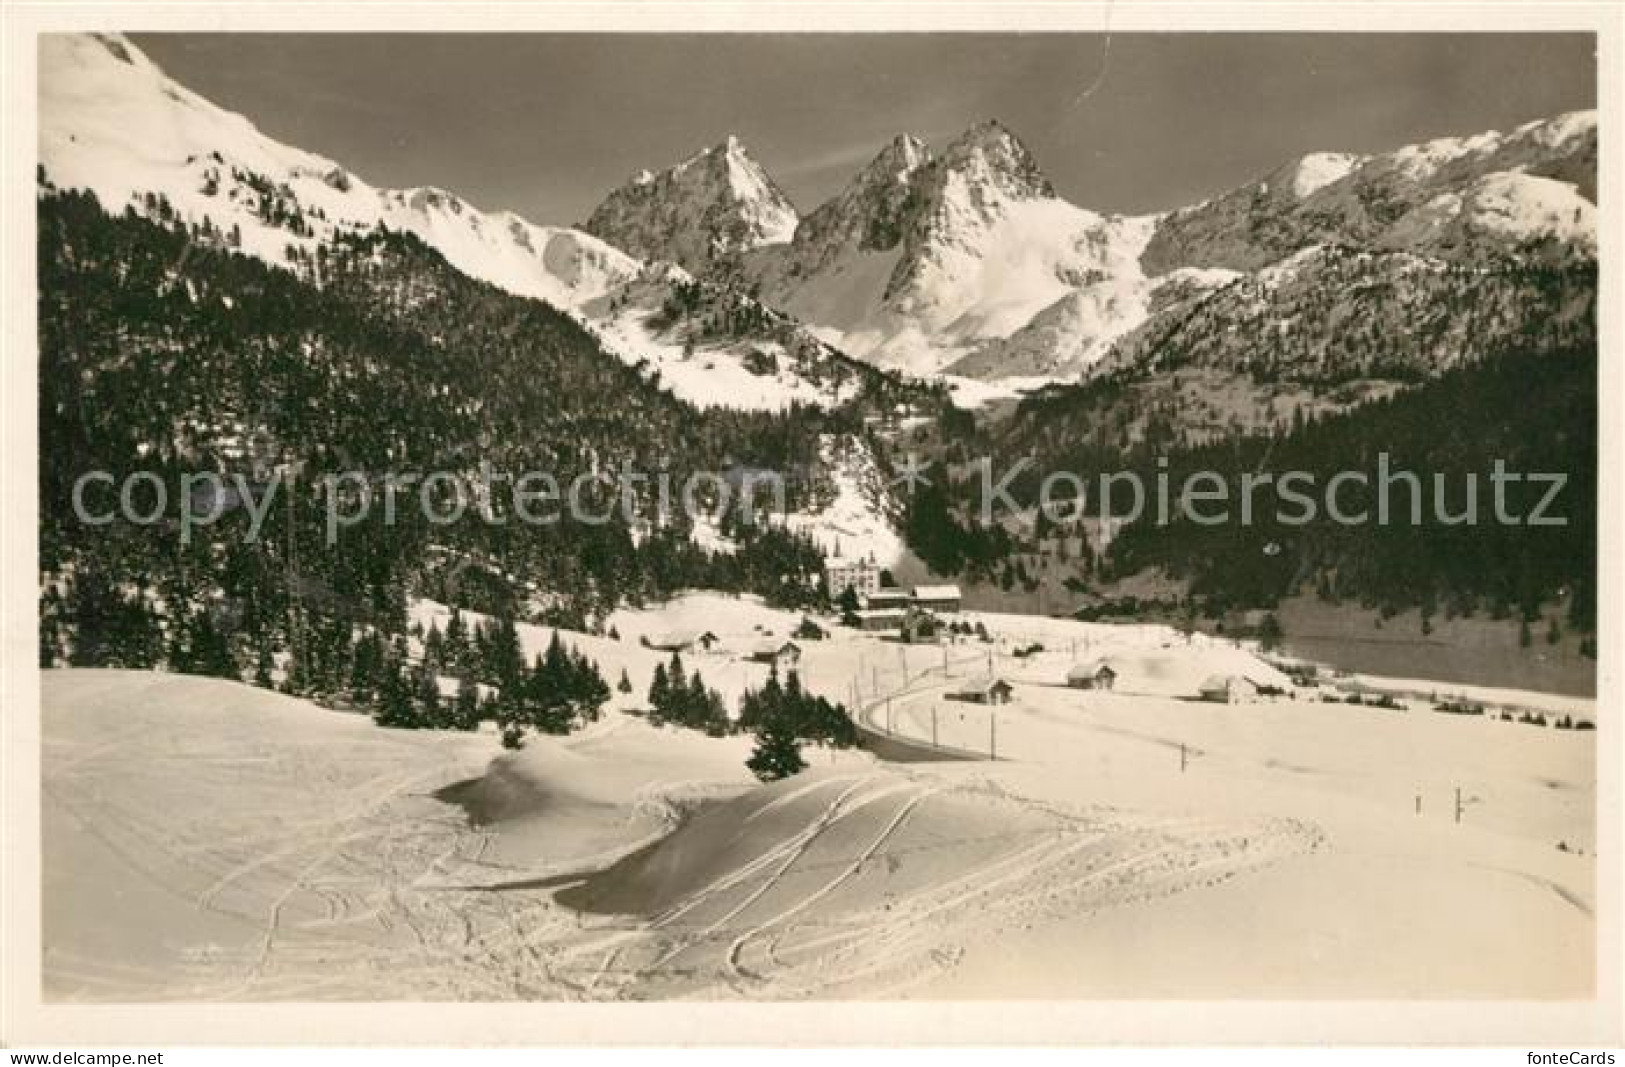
1097, 674
984, 690
783, 655
1228, 689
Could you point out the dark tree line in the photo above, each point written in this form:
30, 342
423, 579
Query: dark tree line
783, 715
682, 698
1532, 408
164, 352
1536, 413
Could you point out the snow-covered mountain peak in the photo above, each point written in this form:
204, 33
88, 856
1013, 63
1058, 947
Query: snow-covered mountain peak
871, 213
1289, 184
1447, 159
920, 258
1413, 194
112, 122
988, 135
717, 203
895, 164
751, 184
726, 154
989, 158
1320, 169
1568, 128
902, 155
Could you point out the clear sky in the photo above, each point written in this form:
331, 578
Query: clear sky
546, 124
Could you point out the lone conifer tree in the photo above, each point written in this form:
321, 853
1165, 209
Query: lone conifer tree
777, 753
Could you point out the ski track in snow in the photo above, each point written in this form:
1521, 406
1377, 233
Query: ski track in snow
358, 883
207, 841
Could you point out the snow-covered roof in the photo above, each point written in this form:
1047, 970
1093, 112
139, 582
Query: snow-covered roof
979, 686
772, 647
1215, 682
936, 592
1090, 669
675, 639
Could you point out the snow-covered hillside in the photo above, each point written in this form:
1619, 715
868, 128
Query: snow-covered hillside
714, 345
1334, 313
1067, 339
113, 123
1497, 211
204, 840
860, 522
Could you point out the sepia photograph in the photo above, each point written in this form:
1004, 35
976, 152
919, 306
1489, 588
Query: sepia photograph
1006, 513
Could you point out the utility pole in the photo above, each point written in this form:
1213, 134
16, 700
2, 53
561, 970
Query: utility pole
888, 716
992, 734
1419, 803
1182, 758
933, 726
1458, 804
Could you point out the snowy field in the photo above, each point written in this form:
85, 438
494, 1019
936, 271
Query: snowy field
205, 840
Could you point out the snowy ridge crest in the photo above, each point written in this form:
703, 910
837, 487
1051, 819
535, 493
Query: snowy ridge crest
113, 123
